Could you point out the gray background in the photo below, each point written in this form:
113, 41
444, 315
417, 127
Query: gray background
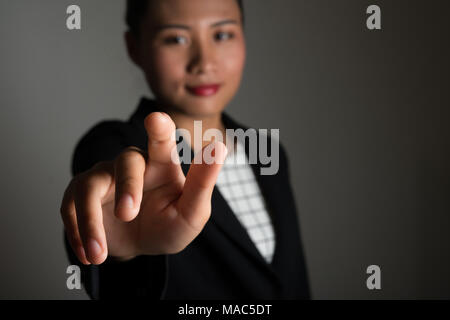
364, 116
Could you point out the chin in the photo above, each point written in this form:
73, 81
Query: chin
203, 107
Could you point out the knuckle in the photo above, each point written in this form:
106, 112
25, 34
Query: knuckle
126, 183
88, 228
131, 154
68, 193
102, 165
63, 210
90, 180
83, 186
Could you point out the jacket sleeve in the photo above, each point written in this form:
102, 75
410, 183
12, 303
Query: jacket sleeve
143, 276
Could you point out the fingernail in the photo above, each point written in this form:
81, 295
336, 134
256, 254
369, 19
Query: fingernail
164, 116
126, 202
94, 248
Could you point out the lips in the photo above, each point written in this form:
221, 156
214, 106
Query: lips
204, 90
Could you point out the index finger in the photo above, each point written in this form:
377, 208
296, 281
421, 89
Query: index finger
161, 137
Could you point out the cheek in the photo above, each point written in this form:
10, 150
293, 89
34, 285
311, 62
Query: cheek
168, 69
234, 67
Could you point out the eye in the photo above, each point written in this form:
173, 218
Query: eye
176, 40
223, 36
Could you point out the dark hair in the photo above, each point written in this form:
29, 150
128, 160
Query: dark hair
137, 9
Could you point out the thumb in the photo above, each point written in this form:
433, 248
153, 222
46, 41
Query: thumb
195, 201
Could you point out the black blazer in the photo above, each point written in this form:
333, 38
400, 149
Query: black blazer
222, 262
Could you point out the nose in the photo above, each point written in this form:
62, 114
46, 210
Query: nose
202, 59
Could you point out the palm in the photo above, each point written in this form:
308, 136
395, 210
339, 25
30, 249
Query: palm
173, 210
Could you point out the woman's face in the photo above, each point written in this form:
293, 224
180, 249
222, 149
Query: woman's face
192, 53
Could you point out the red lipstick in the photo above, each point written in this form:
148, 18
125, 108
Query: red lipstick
204, 90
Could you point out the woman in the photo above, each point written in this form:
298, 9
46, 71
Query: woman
143, 225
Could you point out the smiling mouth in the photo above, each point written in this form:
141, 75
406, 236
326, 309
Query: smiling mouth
204, 90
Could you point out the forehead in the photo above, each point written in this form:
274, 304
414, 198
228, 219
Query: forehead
193, 12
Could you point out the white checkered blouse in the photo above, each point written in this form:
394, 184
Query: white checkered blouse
237, 184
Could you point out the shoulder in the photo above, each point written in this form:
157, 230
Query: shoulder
102, 142
106, 129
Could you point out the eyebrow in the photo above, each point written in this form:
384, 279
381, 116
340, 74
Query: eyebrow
185, 27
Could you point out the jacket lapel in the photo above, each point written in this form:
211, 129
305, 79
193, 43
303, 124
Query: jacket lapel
226, 219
